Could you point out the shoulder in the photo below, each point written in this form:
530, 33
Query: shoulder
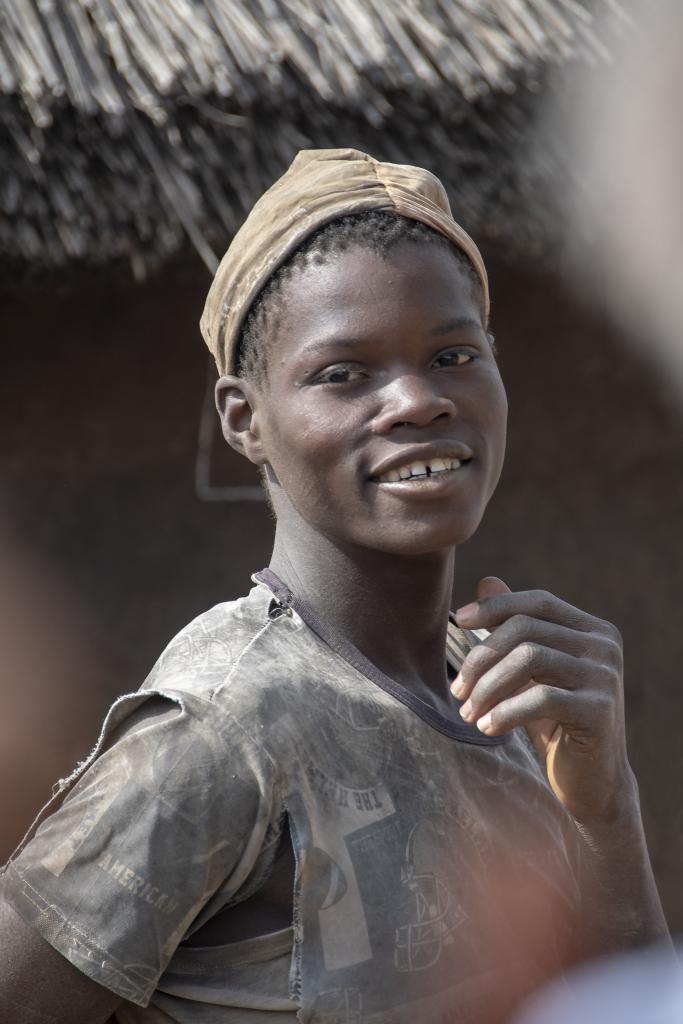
240, 668
202, 656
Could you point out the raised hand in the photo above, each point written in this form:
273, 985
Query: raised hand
558, 672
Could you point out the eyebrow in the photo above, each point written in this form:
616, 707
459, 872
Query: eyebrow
454, 325
322, 344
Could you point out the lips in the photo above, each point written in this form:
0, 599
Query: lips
422, 463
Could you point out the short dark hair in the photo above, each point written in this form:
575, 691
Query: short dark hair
377, 230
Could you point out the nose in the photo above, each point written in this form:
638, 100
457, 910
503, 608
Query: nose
411, 400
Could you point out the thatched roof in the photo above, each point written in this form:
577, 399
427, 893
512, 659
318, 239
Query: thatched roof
129, 126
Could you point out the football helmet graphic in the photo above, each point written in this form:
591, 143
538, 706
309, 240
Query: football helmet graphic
339, 1006
433, 911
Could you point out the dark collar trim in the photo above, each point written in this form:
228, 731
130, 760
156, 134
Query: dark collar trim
457, 730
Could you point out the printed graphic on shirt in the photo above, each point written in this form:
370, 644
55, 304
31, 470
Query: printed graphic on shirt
421, 941
339, 1006
129, 879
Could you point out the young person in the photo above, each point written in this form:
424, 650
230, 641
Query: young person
333, 801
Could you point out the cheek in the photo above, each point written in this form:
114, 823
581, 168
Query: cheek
493, 400
488, 411
499, 411
309, 452
500, 418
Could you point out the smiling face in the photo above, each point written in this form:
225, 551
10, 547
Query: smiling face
383, 415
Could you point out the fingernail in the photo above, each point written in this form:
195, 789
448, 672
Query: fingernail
467, 611
458, 688
466, 710
484, 723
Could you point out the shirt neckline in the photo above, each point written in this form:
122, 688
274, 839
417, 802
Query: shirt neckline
348, 652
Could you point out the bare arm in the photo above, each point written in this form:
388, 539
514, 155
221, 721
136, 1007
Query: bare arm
39, 986
621, 903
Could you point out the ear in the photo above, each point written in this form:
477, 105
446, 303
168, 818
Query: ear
236, 402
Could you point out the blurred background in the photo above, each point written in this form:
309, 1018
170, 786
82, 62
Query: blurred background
134, 136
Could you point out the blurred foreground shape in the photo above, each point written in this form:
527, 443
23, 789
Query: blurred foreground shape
616, 135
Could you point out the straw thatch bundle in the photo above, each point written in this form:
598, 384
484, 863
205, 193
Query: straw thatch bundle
128, 125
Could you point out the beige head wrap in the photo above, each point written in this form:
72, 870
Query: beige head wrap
321, 185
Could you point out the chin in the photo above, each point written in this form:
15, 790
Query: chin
422, 538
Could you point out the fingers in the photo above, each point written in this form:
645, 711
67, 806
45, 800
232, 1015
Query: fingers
540, 701
490, 586
518, 630
527, 664
489, 676
539, 645
492, 609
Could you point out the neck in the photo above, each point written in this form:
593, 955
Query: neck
393, 608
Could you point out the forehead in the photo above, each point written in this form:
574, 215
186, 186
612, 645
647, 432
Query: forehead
360, 289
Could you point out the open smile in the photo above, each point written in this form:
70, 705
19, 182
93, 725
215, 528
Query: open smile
420, 468
417, 473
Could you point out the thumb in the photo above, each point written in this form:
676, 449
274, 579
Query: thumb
489, 586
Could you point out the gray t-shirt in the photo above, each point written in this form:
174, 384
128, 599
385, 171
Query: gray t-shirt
403, 823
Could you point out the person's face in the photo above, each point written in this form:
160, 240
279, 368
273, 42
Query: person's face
381, 368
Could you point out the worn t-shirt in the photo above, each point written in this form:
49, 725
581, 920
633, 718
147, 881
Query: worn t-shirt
406, 824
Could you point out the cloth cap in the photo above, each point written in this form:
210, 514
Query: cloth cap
321, 185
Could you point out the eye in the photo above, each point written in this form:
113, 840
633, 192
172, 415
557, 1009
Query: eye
454, 357
339, 375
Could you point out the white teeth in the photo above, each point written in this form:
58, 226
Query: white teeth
419, 470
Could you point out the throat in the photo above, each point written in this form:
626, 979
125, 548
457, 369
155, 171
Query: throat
393, 610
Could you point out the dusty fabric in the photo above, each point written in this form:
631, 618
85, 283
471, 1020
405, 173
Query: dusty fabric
321, 185
401, 824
